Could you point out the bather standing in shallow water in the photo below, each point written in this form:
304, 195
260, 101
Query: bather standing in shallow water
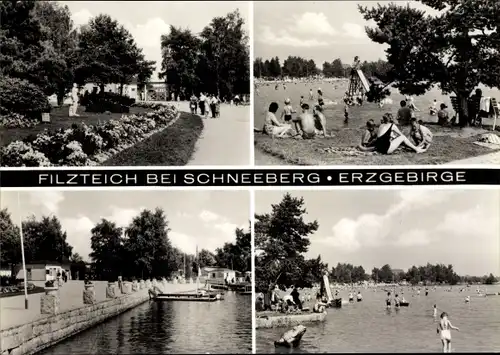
444, 328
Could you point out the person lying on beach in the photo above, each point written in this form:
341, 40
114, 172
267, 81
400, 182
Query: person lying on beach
369, 136
305, 124
421, 135
272, 126
444, 328
320, 120
389, 137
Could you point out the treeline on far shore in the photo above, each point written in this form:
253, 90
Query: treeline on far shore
282, 240
298, 67
141, 250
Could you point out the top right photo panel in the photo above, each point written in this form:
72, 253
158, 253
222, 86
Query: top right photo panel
377, 83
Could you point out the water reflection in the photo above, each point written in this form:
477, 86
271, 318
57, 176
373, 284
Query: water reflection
169, 327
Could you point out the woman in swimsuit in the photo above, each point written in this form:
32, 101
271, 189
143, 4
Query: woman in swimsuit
272, 126
389, 137
444, 328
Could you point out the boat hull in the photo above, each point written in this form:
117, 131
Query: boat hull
277, 320
184, 298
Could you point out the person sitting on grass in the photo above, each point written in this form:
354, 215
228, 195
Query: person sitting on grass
404, 114
305, 124
369, 136
443, 115
389, 138
421, 135
272, 126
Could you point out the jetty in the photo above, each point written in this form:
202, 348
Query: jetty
276, 320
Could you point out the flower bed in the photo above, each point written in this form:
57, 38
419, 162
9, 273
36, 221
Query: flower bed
15, 120
84, 145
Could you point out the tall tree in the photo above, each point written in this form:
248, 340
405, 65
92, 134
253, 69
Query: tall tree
180, 55
45, 240
148, 245
281, 237
107, 53
457, 49
107, 254
225, 49
10, 239
60, 47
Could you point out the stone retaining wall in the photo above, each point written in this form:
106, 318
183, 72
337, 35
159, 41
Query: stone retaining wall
40, 334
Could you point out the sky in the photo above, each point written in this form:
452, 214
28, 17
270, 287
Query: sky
402, 228
206, 219
322, 31
148, 20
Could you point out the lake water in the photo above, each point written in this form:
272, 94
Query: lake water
369, 327
169, 327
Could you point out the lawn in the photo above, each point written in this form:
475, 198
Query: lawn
173, 146
449, 144
60, 119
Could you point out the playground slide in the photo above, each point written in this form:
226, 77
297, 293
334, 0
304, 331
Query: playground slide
327, 288
365, 83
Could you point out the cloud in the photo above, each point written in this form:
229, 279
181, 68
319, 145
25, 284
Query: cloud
207, 216
48, 200
78, 231
353, 30
474, 222
312, 23
372, 230
283, 38
81, 17
414, 237
228, 228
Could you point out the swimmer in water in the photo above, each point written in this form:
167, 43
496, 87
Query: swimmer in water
444, 328
388, 300
467, 299
360, 297
396, 301
351, 297
435, 311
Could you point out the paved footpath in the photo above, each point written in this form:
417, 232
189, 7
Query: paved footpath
71, 296
490, 159
224, 140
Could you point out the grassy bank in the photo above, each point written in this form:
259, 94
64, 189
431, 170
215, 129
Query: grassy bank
339, 149
173, 146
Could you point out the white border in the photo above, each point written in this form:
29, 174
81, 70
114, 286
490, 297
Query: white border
263, 167
251, 98
252, 238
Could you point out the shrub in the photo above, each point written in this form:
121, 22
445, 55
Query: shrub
108, 101
20, 96
80, 144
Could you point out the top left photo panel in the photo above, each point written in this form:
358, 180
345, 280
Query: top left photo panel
124, 83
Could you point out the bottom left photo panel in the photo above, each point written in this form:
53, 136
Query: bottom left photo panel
125, 272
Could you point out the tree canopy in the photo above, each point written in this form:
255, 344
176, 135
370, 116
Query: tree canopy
214, 61
281, 239
457, 49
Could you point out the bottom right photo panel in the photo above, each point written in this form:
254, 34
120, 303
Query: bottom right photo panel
408, 270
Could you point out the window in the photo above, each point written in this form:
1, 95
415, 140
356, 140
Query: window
213, 275
47, 272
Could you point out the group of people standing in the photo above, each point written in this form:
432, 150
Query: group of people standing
205, 104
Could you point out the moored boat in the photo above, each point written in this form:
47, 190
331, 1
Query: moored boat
404, 304
246, 291
276, 320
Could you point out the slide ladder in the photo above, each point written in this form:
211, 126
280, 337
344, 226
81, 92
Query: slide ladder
327, 288
358, 84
